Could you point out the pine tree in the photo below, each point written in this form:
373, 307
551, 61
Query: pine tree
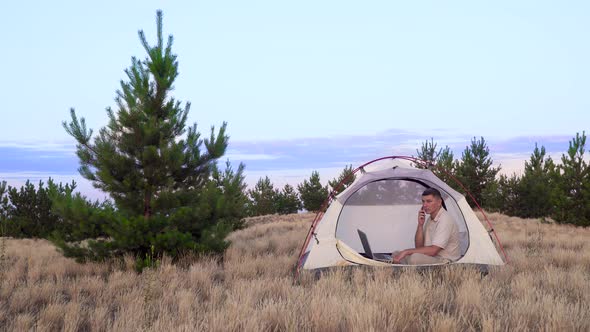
345, 179
475, 170
263, 198
312, 193
503, 195
4, 208
26, 212
157, 170
287, 201
446, 167
80, 218
536, 188
443, 158
428, 153
230, 191
572, 205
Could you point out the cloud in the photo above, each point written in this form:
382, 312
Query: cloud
320, 152
27, 159
247, 157
280, 178
293, 160
510, 163
45, 146
527, 144
290, 160
31, 175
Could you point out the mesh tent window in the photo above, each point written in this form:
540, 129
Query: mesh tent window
386, 210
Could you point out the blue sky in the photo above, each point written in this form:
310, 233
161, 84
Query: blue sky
305, 85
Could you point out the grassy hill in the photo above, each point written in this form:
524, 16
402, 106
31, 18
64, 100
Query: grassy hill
545, 286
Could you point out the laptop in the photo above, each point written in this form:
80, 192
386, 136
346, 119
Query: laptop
375, 256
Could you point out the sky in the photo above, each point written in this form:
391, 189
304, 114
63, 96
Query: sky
304, 85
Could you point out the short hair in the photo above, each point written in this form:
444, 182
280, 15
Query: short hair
432, 191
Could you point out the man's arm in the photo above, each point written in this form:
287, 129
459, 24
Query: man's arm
419, 237
428, 250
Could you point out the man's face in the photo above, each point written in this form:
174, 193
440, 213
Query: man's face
431, 204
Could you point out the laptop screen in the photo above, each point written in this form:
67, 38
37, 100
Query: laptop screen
365, 243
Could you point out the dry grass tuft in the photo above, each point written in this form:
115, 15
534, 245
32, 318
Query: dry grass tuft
546, 287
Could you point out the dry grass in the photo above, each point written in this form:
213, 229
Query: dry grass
546, 287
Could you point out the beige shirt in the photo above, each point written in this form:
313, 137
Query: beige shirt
443, 233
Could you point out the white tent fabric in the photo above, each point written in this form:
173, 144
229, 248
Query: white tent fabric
383, 202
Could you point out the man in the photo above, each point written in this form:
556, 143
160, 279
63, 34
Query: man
436, 239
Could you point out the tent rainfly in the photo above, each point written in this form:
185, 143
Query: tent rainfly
383, 202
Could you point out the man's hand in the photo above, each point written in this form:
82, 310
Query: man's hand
421, 217
398, 258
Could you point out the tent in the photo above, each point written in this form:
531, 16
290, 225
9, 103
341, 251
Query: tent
383, 202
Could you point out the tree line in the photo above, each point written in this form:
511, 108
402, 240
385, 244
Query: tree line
310, 195
545, 189
34, 211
